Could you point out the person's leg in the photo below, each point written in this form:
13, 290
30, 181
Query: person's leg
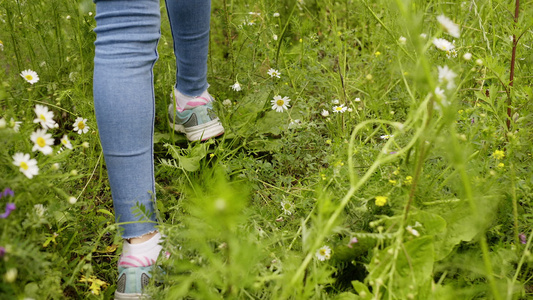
125, 52
190, 24
192, 112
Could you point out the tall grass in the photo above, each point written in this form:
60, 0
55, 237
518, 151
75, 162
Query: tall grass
386, 178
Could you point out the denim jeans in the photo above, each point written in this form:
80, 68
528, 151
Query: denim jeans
127, 34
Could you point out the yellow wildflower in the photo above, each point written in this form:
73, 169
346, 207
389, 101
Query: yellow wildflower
381, 200
498, 154
96, 284
377, 53
393, 182
408, 180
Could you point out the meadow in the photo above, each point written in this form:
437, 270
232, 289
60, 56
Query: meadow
374, 149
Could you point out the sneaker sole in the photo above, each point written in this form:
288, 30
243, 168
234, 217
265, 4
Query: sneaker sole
200, 132
127, 296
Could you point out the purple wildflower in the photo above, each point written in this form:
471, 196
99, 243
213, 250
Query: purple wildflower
9, 208
7, 192
523, 238
472, 121
2, 251
352, 241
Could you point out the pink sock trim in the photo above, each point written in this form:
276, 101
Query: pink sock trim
195, 103
139, 261
192, 103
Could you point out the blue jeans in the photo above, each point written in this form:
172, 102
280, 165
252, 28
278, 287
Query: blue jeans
127, 34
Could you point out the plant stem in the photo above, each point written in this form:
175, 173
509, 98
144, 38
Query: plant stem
513, 61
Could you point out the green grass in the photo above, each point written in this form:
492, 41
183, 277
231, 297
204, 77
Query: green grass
245, 214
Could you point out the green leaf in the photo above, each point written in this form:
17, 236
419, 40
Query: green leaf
105, 211
273, 122
188, 160
430, 223
413, 266
362, 290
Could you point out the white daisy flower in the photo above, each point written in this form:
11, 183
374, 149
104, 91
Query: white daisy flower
236, 86
450, 27
443, 44
1, 46
440, 93
274, 73
479, 62
386, 136
451, 53
15, 124
402, 40
39, 209
447, 75
66, 142
42, 141
357, 99
324, 253
275, 37
30, 76
275, 15
279, 104
27, 166
80, 125
467, 56
335, 101
339, 109
44, 116
423, 35
287, 207
324, 113
227, 103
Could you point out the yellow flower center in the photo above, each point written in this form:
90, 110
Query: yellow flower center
64, 142
42, 117
81, 125
322, 252
338, 108
280, 102
24, 165
41, 142
28, 77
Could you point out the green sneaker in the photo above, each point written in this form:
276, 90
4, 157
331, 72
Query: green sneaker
131, 282
199, 123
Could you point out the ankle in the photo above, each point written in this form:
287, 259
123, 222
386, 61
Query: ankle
141, 239
184, 102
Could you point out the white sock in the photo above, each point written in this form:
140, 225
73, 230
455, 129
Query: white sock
140, 255
188, 102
